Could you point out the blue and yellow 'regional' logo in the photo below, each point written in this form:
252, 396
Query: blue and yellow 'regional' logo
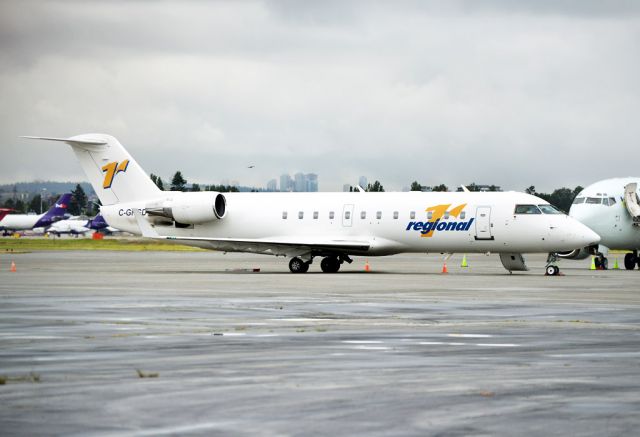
111, 170
437, 224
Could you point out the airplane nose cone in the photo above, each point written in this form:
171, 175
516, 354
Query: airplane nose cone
583, 235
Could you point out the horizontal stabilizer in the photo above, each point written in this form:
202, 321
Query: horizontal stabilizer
70, 141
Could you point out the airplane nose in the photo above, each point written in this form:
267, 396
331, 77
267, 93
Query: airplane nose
583, 235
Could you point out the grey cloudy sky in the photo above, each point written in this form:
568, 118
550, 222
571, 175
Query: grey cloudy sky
542, 93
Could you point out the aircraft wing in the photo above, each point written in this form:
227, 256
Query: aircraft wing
290, 246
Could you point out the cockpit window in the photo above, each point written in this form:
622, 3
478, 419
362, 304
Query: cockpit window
612, 201
578, 200
527, 209
605, 201
549, 209
594, 200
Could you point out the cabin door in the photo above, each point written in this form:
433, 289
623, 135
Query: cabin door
483, 223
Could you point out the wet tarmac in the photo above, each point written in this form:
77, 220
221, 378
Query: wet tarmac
170, 343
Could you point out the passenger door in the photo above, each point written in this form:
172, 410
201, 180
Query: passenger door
483, 223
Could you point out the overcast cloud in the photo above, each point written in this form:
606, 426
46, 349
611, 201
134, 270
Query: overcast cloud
542, 93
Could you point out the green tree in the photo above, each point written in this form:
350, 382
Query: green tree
36, 204
415, 186
473, 187
78, 204
20, 206
157, 180
195, 187
577, 191
375, 187
178, 183
441, 187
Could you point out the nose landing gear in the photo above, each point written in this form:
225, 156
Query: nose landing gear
552, 269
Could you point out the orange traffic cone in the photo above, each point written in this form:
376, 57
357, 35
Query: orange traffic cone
444, 268
366, 266
13, 267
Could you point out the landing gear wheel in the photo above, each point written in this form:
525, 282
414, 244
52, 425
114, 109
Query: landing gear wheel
552, 270
330, 264
630, 261
604, 263
296, 265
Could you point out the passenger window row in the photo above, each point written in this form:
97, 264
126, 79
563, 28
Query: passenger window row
363, 215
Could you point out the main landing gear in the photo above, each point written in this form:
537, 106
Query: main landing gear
552, 269
631, 259
329, 264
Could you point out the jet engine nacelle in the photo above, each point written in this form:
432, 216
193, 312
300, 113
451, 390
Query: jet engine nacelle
577, 253
192, 208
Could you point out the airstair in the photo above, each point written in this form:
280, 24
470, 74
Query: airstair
631, 202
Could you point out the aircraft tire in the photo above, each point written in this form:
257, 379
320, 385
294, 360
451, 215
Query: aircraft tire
630, 261
552, 270
604, 263
296, 265
330, 264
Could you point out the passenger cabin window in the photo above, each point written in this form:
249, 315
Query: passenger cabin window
347, 215
331, 215
301, 214
430, 215
412, 215
527, 209
284, 215
315, 215
612, 201
363, 215
578, 200
594, 200
395, 215
379, 215
549, 209
463, 215
446, 215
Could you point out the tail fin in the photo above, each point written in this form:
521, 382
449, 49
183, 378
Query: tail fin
98, 223
56, 212
115, 176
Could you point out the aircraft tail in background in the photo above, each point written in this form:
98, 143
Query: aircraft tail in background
56, 212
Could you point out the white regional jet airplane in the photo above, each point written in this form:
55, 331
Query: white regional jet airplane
611, 208
333, 226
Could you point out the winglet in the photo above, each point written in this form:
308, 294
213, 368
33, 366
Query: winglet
145, 226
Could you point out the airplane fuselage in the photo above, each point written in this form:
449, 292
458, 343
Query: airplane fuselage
390, 222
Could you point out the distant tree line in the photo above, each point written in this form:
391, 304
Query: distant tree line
79, 204
179, 183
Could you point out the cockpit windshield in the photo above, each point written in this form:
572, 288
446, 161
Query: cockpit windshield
594, 200
549, 209
578, 200
527, 209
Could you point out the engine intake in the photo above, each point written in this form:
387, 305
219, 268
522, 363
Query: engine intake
192, 208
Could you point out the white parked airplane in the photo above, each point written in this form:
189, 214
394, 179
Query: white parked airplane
23, 222
75, 226
333, 226
611, 208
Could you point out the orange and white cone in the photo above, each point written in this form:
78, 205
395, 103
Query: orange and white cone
13, 267
444, 268
366, 266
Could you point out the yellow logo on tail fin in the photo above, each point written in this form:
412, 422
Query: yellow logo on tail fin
111, 170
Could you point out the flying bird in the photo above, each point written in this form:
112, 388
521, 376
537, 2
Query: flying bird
251, 166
